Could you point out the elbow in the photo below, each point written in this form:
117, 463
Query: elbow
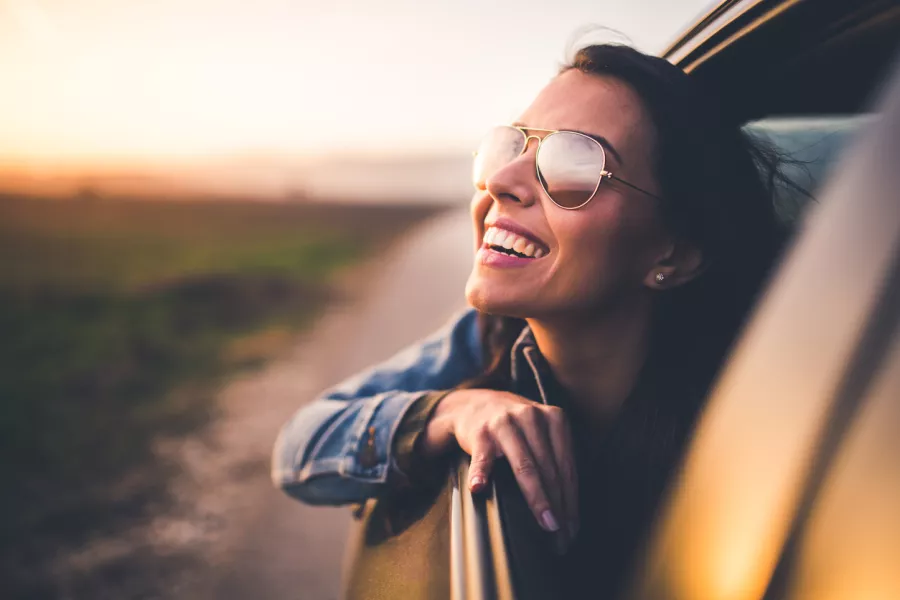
335, 453
318, 480
286, 466
286, 478
295, 440
299, 488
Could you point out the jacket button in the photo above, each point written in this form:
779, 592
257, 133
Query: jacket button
367, 457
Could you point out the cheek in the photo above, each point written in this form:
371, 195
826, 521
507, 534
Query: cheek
478, 209
586, 239
605, 250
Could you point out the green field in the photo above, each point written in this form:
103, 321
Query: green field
118, 319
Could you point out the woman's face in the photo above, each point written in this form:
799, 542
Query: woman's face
602, 253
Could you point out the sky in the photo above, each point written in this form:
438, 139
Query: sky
94, 81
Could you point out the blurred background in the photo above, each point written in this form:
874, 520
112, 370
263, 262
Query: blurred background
209, 212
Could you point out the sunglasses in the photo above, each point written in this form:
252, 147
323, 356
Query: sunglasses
570, 165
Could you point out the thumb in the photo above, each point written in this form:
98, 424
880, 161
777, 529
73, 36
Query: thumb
481, 463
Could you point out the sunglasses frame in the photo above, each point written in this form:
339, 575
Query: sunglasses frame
604, 174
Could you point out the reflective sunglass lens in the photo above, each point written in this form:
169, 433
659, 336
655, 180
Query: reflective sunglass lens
498, 148
570, 167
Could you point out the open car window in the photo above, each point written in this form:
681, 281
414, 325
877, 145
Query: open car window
810, 147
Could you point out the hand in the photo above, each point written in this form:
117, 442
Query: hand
534, 438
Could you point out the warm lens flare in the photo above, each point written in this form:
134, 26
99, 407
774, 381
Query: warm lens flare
104, 87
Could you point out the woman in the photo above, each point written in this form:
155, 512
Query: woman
623, 228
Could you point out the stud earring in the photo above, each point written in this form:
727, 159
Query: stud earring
660, 277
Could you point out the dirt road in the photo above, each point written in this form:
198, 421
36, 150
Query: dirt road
250, 540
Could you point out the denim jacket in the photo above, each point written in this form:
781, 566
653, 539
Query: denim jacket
318, 455
337, 449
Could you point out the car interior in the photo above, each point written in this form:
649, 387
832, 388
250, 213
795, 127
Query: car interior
799, 74
808, 147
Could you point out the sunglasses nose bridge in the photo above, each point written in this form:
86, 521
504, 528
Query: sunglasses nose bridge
528, 139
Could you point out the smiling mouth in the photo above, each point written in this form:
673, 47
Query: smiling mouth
509, 243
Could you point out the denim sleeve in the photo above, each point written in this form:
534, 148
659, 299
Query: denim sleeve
337, 449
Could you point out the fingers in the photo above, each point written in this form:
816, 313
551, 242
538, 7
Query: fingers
513, 445
537, 443
564, 453
483, 454
532, 420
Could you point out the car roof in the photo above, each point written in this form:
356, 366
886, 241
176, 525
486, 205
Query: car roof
791, 57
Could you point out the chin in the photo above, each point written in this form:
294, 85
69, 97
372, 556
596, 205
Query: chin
492, 299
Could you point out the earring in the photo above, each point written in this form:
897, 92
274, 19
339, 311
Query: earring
660, 277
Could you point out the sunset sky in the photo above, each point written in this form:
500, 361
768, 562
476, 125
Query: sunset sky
97, 80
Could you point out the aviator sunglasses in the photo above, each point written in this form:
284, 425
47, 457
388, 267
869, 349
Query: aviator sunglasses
570, 165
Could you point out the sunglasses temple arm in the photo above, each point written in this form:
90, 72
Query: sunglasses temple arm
631, 185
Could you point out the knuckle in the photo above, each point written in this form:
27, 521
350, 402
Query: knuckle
499, 422
525, 467
526, 412
553, 478
480, 457
482, 434
554, 414
553, 411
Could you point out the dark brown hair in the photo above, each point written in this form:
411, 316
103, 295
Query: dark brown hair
717, 187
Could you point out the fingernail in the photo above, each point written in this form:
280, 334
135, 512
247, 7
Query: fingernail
549, 521
476, 482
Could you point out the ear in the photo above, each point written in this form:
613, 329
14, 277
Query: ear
680, 263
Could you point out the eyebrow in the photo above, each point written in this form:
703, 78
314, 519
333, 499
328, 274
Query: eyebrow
598, 138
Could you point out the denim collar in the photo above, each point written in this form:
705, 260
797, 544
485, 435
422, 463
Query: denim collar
530, 373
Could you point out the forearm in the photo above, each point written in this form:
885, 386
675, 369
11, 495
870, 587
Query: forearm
340, 448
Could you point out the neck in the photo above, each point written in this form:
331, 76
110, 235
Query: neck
598, 358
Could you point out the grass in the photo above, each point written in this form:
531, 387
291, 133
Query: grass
119, 318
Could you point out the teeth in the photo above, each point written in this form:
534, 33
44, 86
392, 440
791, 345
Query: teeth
510, 241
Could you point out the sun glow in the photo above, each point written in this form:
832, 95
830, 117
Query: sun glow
105, 87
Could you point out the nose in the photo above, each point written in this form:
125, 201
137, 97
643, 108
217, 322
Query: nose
517, 181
